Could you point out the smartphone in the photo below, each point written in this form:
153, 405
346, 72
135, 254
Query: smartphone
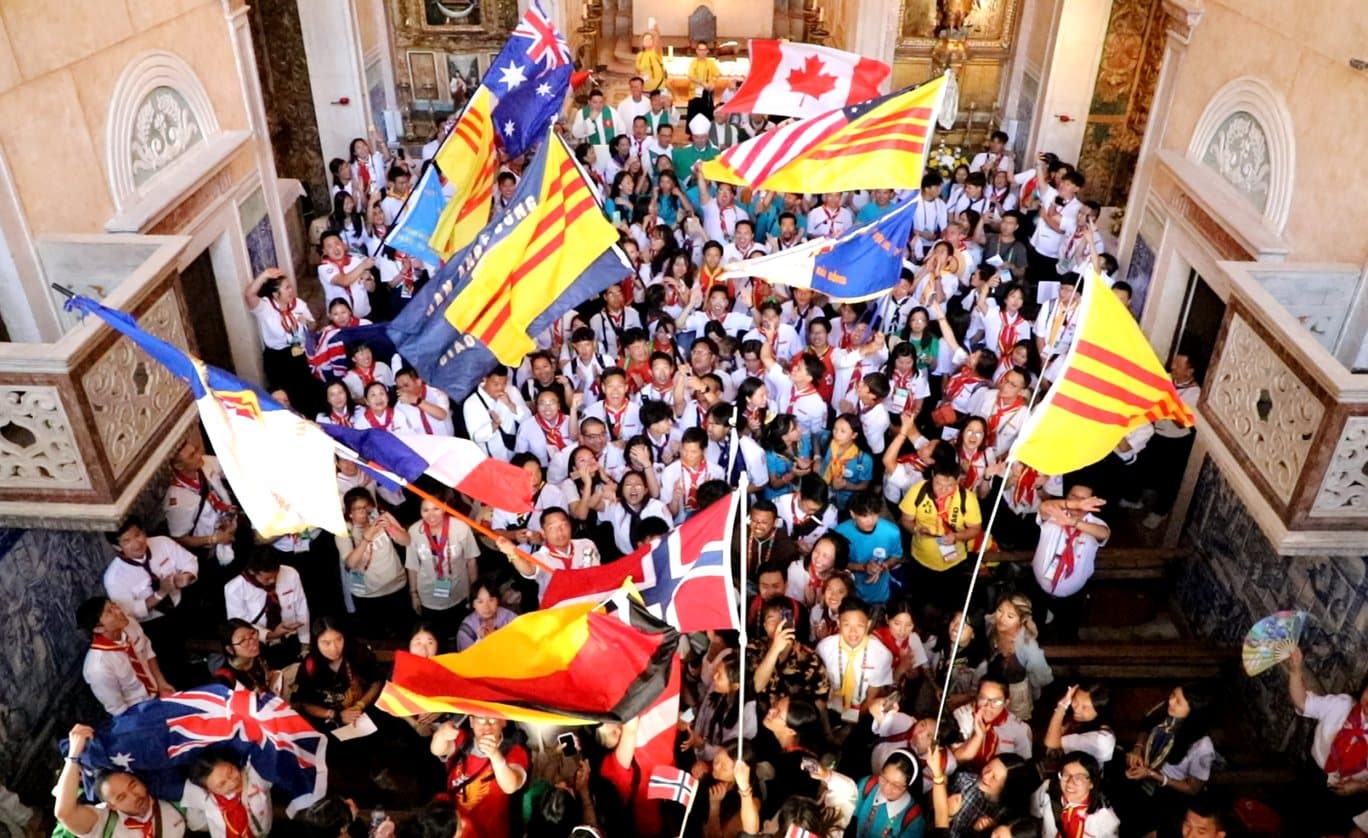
569, 745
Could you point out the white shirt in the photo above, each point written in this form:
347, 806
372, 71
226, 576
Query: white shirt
822, 221
172, 823
273, 332
720, 224
416, 415
110, 673
1188, 394
1046, 240
623, 428
482, 429
583, 554
1330, 713
1101, 743
673, 479
390, 420
1014, 736
929, 217
612, 460
752, 457
356, 385
190, 515
245, 601
1100, 824
874, 422
809, 409
874, 668
420, 559
129, 585
609, 332
549, 496
355, 294
985, 403
532, 438
791, 513
1196, 763
1050, 549
629, 109
203, 814
1003, 161
618, 516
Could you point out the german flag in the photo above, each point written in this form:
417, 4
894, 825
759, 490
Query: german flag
575, 664
1112, 383
878, 144
467, 161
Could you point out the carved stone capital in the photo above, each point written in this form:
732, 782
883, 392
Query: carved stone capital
1183, 17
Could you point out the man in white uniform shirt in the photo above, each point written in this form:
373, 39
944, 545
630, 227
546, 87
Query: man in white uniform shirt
996, 159
636, 104
720, 213
128, 809
270, 596
147, 579
120, 666
829, 219
559, 551
426, 407
200, 514
1058, 219
492, 414
929, 217
1070, 535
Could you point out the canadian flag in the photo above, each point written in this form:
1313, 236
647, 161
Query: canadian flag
790, 79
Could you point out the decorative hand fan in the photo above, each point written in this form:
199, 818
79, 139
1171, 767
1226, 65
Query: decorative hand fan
1272, 639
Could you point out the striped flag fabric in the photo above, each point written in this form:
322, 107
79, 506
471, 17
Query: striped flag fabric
469, 162
1112, 383
796, 831
878, 144
670, 783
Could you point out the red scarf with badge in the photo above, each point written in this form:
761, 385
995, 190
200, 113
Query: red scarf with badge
100, 643
235, 821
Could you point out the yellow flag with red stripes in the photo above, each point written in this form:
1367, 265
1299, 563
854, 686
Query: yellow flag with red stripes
1112, 383
468, 161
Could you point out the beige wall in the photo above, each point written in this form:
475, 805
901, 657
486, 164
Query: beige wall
368, 15
57, 74
1302, 50
1041, 14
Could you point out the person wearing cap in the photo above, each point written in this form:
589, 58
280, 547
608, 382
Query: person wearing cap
699, 150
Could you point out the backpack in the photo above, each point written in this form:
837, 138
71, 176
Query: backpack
925, 494
909, 815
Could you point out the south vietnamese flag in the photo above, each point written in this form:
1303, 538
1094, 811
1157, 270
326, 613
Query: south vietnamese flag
789, 79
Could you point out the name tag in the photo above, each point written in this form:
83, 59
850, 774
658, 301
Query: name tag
441, 589
948, 551
356, 580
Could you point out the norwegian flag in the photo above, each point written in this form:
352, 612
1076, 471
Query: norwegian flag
796, 831
158, 739
684, 578
668, 783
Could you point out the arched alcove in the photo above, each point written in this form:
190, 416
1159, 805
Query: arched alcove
1245, 136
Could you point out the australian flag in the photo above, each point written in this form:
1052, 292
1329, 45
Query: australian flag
530, 78
684, 578
158, 739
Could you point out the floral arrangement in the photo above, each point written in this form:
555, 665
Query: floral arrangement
947, 158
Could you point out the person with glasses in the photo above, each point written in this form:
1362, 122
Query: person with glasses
989, 728
243, 667
885, 809
1071, 804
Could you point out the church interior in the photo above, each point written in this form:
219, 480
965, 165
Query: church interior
158, 154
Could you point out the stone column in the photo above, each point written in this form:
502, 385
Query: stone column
874, 31
1181, 17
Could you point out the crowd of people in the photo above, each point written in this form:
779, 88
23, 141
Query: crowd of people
874, 438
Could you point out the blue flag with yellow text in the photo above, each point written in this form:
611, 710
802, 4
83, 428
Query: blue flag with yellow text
859, 265
550, 250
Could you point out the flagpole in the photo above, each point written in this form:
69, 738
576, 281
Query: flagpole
742, 524
475, 525
978, 561
688, 807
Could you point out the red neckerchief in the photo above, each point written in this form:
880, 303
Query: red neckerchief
637, 372
342, 271
422, 414
1000, 412
195, 485
339, 418
798, 393
406, 276
796, 509
695, 477
235, 821
100, 643
555, 440
288, 321
438, 546
1072, 818
272, 609
914, 459
708, 277
990, 739
567, 559
363, 169
1024, 493
615, 418
970, 466
958, 382
832, 229
847, 337
366, 375
1065, 567
150, 826
943, 512
1349, 751
375, 420
1007, 337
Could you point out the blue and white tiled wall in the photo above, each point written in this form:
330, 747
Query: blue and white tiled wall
1234, 577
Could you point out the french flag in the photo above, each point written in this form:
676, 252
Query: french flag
453, 461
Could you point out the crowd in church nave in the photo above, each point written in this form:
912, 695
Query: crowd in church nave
873, 439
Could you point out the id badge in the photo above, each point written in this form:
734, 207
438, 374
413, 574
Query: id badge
356, 580
441, 589
901, 395
949, 552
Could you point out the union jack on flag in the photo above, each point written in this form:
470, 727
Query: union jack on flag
548, 47
158, 739
669, 783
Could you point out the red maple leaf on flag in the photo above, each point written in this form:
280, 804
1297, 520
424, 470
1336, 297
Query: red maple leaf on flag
809, 80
